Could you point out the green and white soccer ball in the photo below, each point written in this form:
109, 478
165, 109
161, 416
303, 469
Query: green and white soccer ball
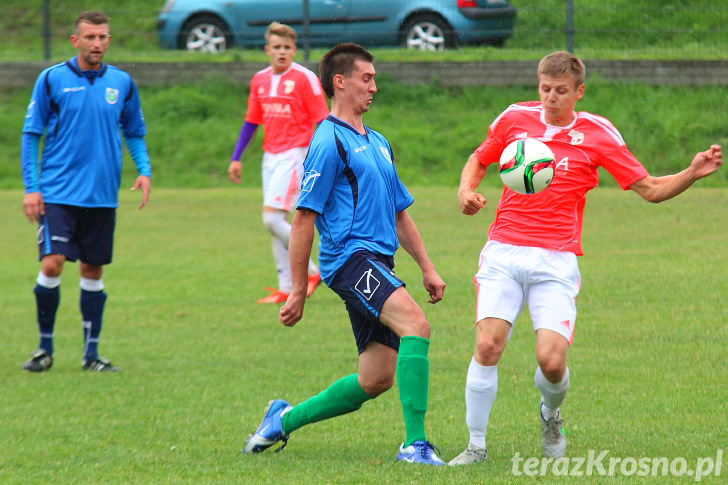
527, 166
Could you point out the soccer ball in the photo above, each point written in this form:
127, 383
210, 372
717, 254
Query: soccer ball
527, 166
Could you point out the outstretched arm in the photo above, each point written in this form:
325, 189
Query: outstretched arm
409, 238
470, 201
299, 251
658, 189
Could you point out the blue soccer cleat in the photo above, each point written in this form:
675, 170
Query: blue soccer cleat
270, 431
419, 452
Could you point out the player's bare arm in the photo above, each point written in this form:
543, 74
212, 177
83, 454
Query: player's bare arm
470, 201
33, 206
658, 189
145, 183
235, 170
299, 251
409, 238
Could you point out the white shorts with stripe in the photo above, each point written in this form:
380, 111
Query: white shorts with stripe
282, 173
510, 276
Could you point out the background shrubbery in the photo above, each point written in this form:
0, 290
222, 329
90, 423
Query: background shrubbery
432, 129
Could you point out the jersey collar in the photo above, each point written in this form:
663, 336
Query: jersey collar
343, 123
72, 64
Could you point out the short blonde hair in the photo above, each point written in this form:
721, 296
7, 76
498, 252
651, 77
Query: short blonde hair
281, 30
562, 63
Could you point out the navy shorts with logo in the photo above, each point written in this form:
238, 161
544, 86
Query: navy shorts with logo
85, 233
365, 282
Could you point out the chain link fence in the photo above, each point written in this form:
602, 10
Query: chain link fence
616, 29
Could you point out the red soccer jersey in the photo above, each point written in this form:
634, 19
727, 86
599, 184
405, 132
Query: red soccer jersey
552, 218
288, 106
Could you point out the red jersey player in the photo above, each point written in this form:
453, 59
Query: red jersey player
287, 99
530, 255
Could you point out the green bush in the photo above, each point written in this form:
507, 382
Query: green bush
192, 129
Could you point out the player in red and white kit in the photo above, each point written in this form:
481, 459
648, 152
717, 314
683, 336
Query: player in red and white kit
530, 255
287, 99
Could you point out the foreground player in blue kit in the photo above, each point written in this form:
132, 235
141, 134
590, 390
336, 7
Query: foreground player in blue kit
351, 193
80, 106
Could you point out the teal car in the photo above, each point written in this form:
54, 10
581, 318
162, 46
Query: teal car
216, 25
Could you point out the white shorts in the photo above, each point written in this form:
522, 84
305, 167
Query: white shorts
282, 173
510, 276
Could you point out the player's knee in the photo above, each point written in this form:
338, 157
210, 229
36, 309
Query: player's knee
52, 265
553, 368
488, 349
419, 326
377, 385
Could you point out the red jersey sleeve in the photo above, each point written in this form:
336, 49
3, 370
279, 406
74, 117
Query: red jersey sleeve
623, 166
315, 101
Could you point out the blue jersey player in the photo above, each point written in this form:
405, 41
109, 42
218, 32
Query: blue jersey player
351, 193
80, 107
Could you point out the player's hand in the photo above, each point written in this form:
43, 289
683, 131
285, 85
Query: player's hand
33, 206
470, 202
146, 185
235, 170
292, 311
707, 162
434, 285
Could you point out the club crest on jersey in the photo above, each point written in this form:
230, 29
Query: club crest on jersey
385, 152
112, 95
288, 86
577, 137
309, 178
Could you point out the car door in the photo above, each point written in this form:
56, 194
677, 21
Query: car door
327, 18
374, 22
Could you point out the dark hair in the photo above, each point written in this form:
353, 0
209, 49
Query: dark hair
340, 60
90, 17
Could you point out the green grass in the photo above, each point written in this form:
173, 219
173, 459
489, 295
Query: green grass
615, 29
201, 359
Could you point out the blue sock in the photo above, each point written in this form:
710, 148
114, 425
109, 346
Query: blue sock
92, 310
46, 302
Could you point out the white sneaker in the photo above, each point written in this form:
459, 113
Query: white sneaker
472, 454
553, 441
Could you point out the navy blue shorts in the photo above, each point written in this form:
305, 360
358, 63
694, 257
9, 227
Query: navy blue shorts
365, 282
77, 233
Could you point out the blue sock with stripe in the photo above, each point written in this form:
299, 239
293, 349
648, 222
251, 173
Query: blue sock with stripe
92, 310
46, 302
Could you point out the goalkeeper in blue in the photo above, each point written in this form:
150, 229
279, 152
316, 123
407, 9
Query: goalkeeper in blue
351, 193
80, 107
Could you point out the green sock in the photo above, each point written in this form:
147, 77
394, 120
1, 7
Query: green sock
343, 396
413, 373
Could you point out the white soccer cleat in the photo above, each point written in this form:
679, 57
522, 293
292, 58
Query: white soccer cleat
553, 441
472, 454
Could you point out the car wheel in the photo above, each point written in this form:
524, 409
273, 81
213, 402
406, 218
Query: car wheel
205, 33
427, 32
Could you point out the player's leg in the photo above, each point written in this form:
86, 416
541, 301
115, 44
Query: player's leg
282, 174
499, 300
402, 314
95, 236
55, 243
551, 299
377, 360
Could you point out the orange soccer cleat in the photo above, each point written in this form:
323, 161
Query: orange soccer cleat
275, 296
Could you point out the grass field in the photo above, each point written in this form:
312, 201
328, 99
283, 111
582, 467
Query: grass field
200, 359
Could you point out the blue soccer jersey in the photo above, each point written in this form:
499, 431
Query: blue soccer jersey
81, 116
351, 183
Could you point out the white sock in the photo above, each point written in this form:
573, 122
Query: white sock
48, 281
553, 393
481, 387
283, 265
277, 224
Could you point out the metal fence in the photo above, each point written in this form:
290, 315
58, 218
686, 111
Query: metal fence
660, 29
